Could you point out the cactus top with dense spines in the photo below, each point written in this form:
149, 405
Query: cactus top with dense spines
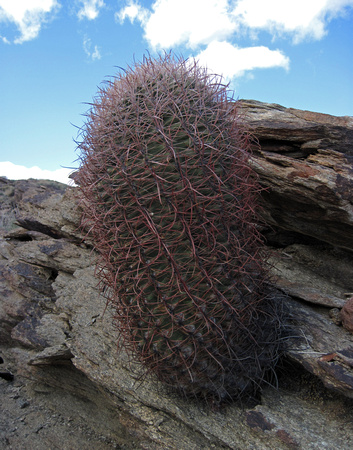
169, 199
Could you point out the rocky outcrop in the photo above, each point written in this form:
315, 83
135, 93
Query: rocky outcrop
306, 165
61, 374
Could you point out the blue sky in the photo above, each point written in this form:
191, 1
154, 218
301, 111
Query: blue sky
54, 54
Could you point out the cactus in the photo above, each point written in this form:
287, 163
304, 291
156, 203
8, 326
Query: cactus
169, 199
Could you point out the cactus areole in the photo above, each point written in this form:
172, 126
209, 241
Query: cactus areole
169, 199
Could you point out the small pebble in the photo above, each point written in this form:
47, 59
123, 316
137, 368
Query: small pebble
335, 315
24, 404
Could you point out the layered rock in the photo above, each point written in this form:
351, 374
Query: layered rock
57, 331
305, 162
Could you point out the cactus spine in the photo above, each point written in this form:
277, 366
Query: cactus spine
169, 199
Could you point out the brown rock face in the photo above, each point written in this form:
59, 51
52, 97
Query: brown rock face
59, 345
347, 315
306, 165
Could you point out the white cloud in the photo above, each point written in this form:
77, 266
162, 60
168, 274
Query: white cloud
298, 18
87, 47
96, 53
189, 22
210, 27
90, 9
4, 40
198, 22
231, 61
132, 11
17, 172
27, 15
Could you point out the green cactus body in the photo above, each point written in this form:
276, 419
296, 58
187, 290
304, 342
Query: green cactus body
169, 198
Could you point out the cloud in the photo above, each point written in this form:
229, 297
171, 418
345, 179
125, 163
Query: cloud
299, 19
199, 22
27, 15
133, 10
4, 40
17, 172
89, 9
87, 47
196, 22
209, 28
231, 61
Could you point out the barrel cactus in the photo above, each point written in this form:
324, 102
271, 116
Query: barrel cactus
169, 199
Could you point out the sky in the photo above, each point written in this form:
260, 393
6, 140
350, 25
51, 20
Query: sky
54, 55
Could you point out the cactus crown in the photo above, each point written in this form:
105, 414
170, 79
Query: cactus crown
169, 199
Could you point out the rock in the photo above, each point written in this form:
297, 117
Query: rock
295, 132
40, 209
335, 315
305, 163
320, 337
347, 315
318, 274
52, 355
59, 342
